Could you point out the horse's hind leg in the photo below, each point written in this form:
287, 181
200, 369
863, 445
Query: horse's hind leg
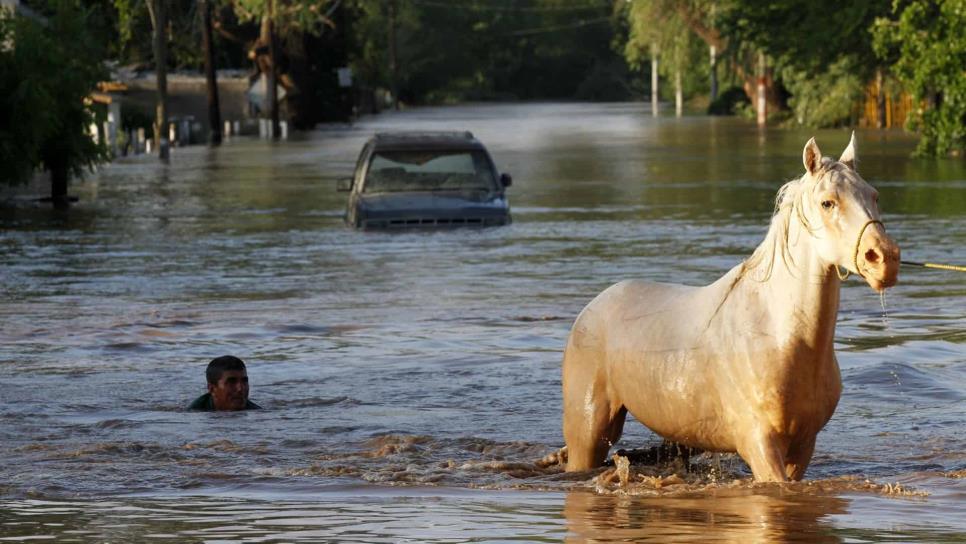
799, 455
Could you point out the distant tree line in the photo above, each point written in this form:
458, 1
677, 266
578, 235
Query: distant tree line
816, 58
811, 61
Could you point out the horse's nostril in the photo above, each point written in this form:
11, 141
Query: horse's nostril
872, 256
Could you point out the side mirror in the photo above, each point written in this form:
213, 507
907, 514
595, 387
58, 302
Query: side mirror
506, 180
343, 185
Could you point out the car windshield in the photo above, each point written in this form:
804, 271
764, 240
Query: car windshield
432, 170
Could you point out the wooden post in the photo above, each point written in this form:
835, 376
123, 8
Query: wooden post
211, 77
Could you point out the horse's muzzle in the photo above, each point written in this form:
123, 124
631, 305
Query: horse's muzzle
878, 258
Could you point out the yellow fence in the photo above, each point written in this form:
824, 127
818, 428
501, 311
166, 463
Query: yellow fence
894, 113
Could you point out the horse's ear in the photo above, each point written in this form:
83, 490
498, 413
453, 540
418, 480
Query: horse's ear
812, 157
848, 156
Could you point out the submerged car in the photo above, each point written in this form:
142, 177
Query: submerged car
425, 179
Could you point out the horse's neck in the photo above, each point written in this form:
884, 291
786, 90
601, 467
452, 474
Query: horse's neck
801, 293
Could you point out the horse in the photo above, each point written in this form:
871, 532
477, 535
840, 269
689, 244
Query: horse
746, 364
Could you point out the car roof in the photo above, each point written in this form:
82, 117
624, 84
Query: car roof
403, 140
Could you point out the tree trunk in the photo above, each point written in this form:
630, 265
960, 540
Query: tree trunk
654, 81
393, 64
880, 101
59, 177
714, 72
272, 75
678, 94
211, 78
694, 18
157, 9
761, 100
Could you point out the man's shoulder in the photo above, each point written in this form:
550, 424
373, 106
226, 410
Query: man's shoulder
249, 405
202, 404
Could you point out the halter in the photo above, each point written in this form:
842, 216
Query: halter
855, 254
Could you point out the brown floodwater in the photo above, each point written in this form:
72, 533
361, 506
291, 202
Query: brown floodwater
411, 380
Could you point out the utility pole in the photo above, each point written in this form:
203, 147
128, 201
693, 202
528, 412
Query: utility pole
272, 76
157, 9
393, 64
211, 78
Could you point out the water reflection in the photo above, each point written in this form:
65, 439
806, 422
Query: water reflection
747, 516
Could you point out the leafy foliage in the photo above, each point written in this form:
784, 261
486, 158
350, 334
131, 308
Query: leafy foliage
927, 41
806, 35
826, 98
473, 49
47, 71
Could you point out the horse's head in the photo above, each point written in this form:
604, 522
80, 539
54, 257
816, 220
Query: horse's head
851, 234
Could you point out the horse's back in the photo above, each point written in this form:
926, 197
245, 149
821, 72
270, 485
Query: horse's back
636, 310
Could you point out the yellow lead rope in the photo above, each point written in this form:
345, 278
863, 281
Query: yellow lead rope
952, 267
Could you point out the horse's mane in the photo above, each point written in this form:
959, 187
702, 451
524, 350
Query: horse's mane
789, 204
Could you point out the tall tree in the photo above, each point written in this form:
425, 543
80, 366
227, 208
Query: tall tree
158, 9
47, 71
655, 29
290, 19
211, 77
926, 43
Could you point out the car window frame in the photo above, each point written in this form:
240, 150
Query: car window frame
496, 188
362, 167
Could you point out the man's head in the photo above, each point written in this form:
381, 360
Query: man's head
228, 383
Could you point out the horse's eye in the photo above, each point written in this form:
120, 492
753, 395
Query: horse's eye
827, 204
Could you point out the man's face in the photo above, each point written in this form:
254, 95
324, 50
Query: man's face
231, 391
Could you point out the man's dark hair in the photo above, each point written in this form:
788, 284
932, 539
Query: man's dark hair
219, 365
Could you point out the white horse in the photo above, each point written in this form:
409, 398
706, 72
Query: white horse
745, 364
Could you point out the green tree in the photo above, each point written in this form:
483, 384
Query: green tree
657, 28
926, 41
452, 50
48, 70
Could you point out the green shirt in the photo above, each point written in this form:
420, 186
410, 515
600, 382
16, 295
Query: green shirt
205, 403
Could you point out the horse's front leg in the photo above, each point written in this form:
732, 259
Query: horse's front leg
765, 454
